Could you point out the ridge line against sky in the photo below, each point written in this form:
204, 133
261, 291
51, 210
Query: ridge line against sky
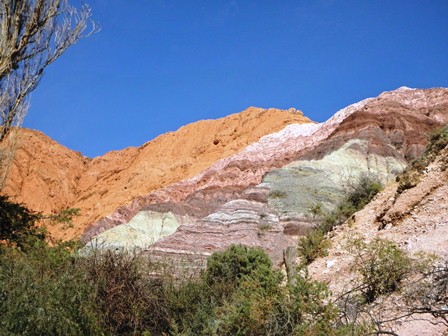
157, 65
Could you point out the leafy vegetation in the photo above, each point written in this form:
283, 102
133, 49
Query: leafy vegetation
18, 225
312, 246
315, 244
391, 285
52, 290
23, 228
381, 264
247, 297
42, 292
277, 194
130, 302
65, 216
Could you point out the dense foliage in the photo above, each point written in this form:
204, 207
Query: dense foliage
42, 292
18, 225
56, 291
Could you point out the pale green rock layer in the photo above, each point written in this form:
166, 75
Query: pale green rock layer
296, 187
142, 231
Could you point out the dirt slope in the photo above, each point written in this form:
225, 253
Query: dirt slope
48, 177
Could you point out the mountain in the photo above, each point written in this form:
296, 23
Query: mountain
249, 178
262, 195
49, 177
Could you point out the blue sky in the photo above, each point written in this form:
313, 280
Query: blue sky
159, 64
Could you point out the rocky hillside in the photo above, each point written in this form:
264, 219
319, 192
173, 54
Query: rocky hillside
262, 195
48, 177
412, 213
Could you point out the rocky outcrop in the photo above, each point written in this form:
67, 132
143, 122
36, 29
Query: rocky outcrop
262, 195
48, 177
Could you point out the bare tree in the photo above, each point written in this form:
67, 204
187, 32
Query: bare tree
33, 34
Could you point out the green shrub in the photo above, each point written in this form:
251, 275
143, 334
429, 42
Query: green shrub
65, 216
53, 291
362, 192
43, 293
438, 140
130, 301
382, 266
358, 195
312, 246
256, 302
239, 263
300, 308
407, 180
199, 306
277, 194
192, 306
18, 225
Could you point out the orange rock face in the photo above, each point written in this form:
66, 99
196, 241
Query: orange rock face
48, 177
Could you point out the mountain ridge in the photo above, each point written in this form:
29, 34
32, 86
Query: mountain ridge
48, 177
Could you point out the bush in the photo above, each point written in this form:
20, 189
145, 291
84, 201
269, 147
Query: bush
358, 195
299, 308
44, 293
64, 216
362, 192
438, 140
54, 291
18, 225
240, 293
51, 291
312, 246
240, 263
382, 266
199, 305
277, 194
192, 306
130, 301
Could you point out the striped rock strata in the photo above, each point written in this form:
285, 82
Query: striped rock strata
261, 196
48, 177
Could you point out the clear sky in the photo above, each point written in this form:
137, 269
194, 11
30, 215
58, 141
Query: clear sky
159, 64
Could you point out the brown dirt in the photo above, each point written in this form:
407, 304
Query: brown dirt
48, 177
